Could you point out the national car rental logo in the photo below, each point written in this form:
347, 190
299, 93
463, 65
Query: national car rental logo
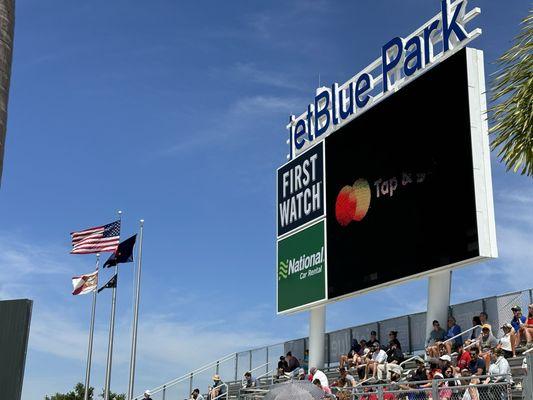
283, 270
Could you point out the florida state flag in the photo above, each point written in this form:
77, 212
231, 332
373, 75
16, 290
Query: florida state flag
85, 283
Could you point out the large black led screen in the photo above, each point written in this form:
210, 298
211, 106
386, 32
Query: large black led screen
400, 186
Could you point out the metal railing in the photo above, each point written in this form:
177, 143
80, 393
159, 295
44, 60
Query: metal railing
461, 334
450, 388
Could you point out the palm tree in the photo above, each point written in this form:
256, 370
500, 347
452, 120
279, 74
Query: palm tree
7, 16
512, 98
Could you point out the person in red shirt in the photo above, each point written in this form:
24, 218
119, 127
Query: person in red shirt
463, 358
526, 329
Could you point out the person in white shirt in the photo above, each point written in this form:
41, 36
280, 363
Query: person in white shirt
507, 341
317, 374
499, 366
379, 357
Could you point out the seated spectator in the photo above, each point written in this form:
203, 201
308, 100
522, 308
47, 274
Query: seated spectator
305, 364
282, 367
249, 381
301, 375
349, 380
317, 374
450, 373
218, 389
476, 365
293, 363
373, 339
526, 328
350, 359
394, 352
379, 357
499, 366
420, 373
463, 359
325, 389
445, 362
486, 344
453, 330
195, 395
507, 341
517, 322
484, 318
436, 336
471, 393
393, 339
476, 321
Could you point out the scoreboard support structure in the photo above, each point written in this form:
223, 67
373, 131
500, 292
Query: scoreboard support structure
317, 336
439, 288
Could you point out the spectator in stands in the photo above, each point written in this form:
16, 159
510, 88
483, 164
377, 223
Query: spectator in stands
453, 330
450, 373
249, 381
476, 364
486, 343
471, 393
507, 341
420, 373
476, 321
363, 345
445, 362
499, 366
195, 395
435, 336
348, 380
282, 367
463, 358
373, 339
325, 389
393, 339
218, 389
526, 328
394, 359
379, 357
305, 363
301, 374
317, 374
484, 318
147, 395
293, 363
351, 358
517, 321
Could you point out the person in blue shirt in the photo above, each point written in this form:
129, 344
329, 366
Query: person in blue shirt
517, 322
453, 330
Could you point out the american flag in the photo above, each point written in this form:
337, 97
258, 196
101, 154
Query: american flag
97, 239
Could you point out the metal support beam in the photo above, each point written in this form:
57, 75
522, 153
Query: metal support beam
317, 331
439, 286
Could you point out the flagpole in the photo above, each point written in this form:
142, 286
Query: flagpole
111, 331
133, 354
91, 334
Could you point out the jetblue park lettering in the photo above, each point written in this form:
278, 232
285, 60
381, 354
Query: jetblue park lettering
401, 59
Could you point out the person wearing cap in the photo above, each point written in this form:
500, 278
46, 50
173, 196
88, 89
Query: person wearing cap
195, 395
282, 366
486, 343
507, 341
518, 318
301, 374
147, 395
445, 362
379, 357
218, 389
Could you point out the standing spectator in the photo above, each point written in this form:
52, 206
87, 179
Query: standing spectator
305, 363
249, 381
507, 341
476, 364
484, 318
436, 336
373, 339
195, 395
476, 321
517, 322
317, 374
282, 367
526, 328
453, 330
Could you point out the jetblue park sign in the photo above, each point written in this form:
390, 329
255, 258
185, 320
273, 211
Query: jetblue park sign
402, 59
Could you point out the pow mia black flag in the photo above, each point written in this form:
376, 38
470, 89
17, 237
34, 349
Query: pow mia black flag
112, 283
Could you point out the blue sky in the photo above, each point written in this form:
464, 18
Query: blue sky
174, 112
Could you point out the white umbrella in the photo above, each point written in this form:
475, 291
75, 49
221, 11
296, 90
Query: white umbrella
294, 390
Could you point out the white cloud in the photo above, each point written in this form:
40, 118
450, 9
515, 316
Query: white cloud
266, 104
